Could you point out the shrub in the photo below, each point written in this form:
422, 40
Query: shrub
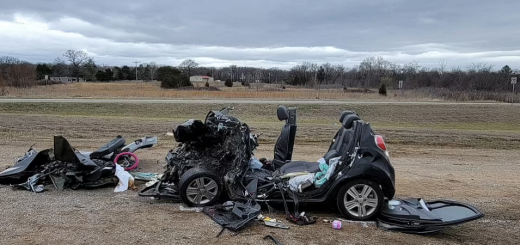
228, 83
176, 82
382, 89
171, 77
207, 85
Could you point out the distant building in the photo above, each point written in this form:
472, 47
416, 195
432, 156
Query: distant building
66, 79
201, 79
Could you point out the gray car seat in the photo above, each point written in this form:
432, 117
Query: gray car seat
339, 147
285, 144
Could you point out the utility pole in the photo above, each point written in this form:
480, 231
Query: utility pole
136, 62
513, 82
401, 87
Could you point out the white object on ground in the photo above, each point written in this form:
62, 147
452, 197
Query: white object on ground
150, 183
125, 179
364, 224
194, 209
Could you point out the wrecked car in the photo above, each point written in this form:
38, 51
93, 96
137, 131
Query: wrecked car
213, 160
65, 166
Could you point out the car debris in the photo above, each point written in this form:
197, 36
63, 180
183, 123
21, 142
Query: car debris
146, 176
66, 167
417, 216
232, 216
272, 222
190, 209
364, 224
151, 178
276, 242
275, 224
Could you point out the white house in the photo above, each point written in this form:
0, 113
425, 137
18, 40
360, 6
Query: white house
201, 78
66, 79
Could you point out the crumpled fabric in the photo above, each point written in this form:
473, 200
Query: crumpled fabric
254, 163
126, 180
322, 160
326, 171
295, 182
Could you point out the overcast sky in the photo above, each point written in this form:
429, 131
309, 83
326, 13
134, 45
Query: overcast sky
265, 33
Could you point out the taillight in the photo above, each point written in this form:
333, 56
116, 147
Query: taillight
380, 142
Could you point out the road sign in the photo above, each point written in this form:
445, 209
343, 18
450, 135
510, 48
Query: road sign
513, 80
400, 84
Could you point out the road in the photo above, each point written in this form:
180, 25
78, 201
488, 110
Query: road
243, 101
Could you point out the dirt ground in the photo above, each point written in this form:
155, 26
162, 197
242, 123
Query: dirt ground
485, 178
432, 159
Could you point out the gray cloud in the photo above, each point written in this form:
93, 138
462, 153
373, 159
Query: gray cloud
265, 33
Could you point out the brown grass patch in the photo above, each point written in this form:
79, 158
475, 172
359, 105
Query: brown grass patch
153, 90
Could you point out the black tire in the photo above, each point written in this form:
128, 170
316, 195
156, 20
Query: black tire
192, 179
363, 208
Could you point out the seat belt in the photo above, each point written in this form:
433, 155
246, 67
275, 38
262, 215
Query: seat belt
297, 218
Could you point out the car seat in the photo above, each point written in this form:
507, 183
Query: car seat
284, 146
340, 146
341, 118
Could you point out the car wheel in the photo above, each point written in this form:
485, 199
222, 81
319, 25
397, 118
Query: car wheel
199, 187
360, 200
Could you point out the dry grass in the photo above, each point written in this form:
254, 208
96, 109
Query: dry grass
482, 126
153, 90
131, 89
455, 95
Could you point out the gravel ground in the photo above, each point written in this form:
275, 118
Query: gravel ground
485, 178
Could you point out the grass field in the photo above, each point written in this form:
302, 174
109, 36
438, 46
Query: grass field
491, 126
153, 90
467, 153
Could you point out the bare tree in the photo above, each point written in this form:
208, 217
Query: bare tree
152, 66
60, 68
233, 73
188, 65
76, 58
442, 66
17, 73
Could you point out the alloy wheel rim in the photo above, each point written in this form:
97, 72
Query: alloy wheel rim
360, 200
202, 190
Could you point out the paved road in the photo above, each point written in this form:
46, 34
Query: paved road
240, 101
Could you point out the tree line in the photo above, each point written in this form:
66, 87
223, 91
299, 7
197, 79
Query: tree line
372, 72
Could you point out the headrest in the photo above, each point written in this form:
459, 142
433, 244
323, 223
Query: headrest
344, 114
282, 113
348, 121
